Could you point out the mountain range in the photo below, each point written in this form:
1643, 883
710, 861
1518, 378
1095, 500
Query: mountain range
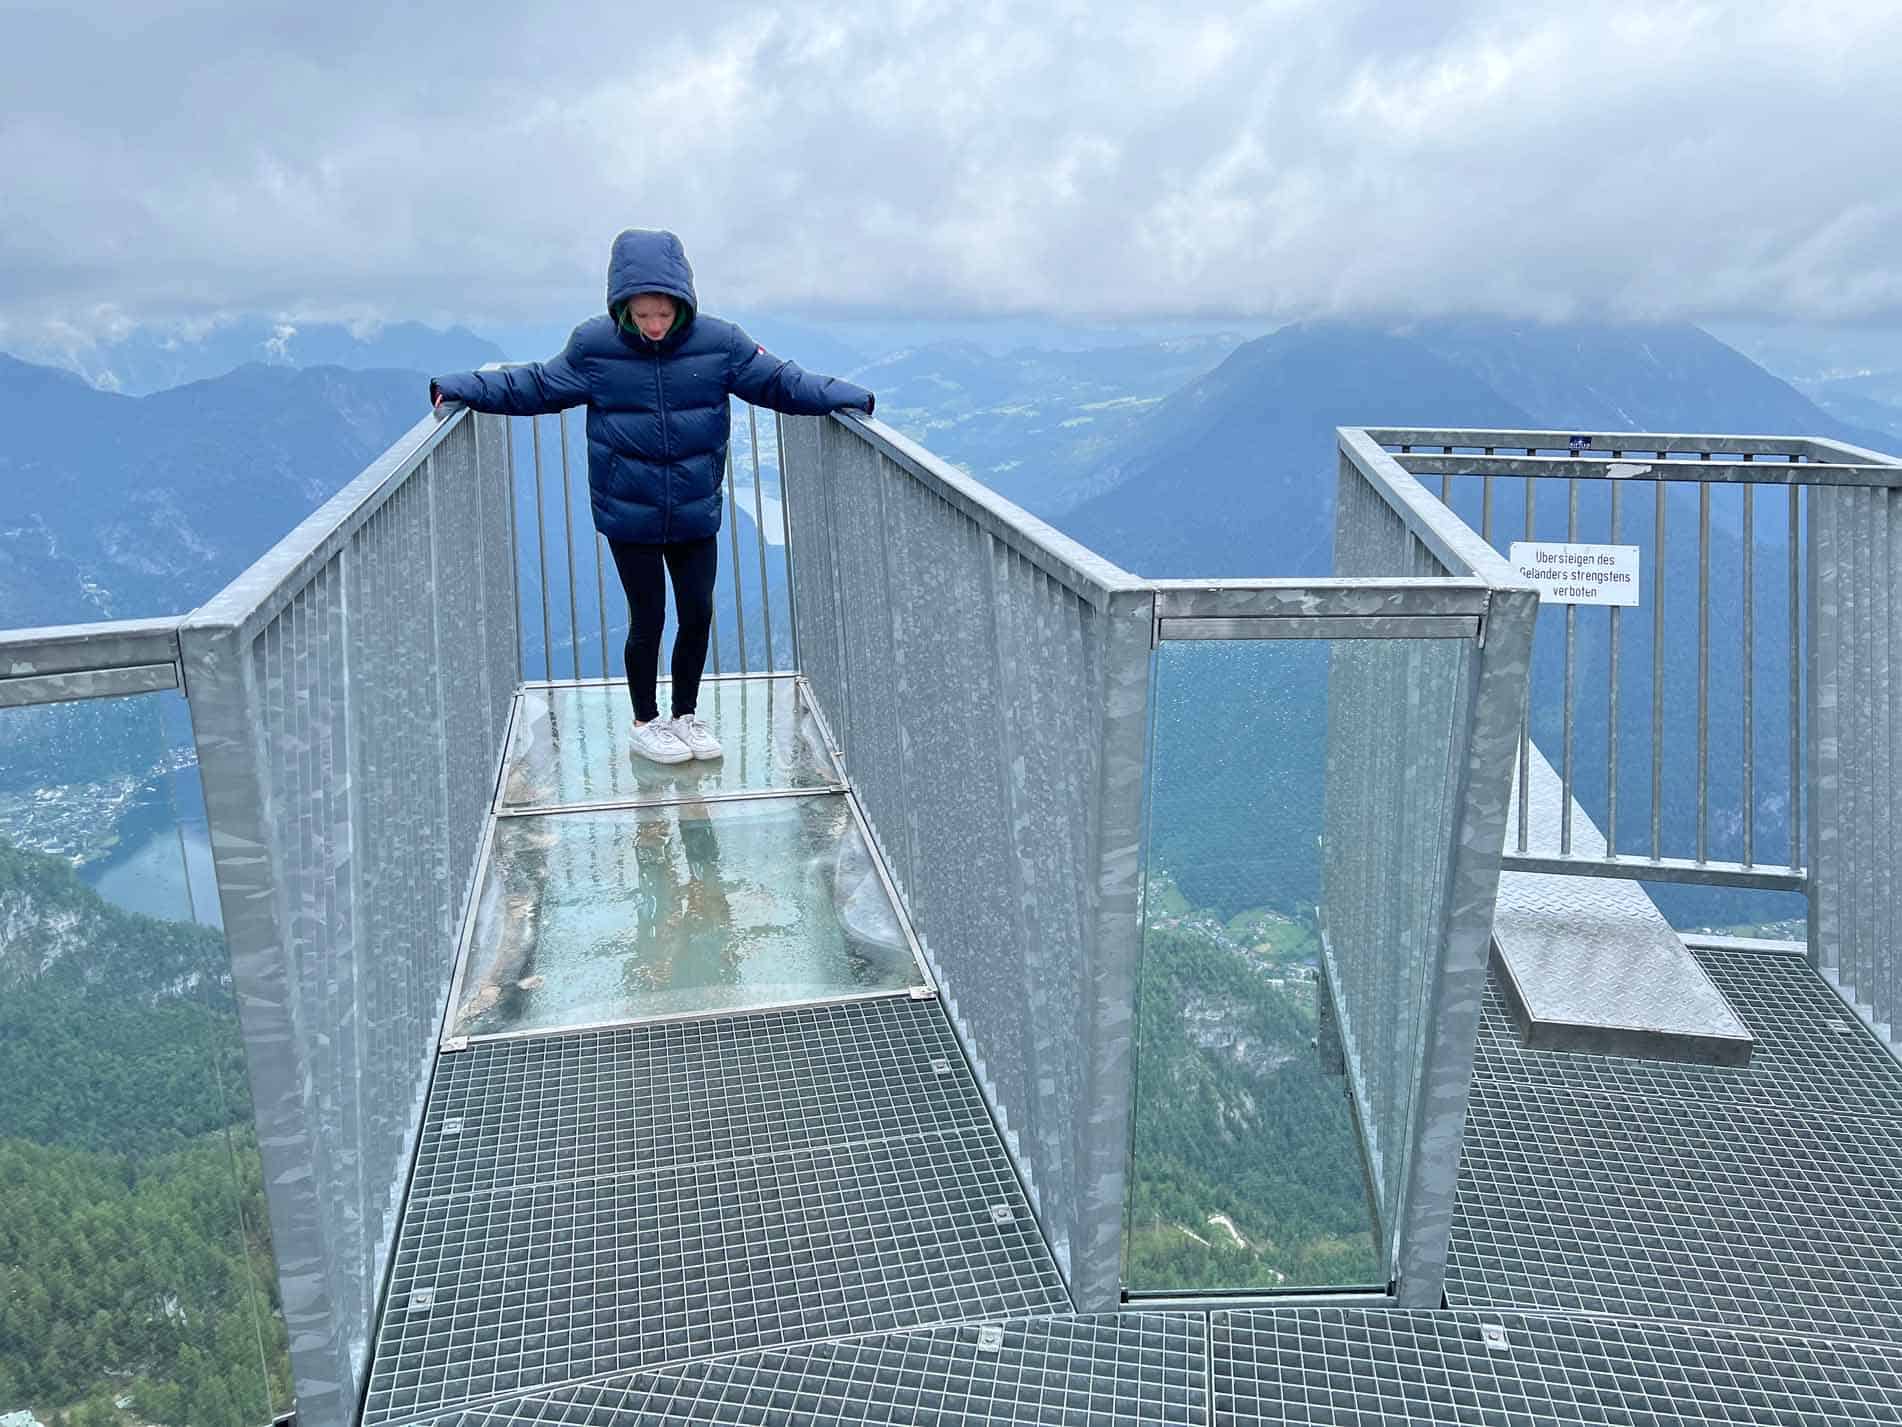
143, 360
1234, 474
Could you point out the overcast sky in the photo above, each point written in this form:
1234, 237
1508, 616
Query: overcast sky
466, 160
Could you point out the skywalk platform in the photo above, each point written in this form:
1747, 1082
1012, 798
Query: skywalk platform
796, 1208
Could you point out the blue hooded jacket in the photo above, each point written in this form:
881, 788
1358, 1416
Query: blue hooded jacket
658, 420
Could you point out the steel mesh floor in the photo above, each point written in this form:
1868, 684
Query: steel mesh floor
636, 1197
1137, 1368
804, 1216
509, 1115
1768, 1196
1356, 1368
1811, 1053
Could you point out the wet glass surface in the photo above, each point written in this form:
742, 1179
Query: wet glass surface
601, 916
574, 745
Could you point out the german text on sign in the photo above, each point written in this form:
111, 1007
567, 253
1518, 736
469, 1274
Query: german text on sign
1579, 574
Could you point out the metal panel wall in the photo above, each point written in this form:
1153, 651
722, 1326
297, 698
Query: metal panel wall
987, 681
1855, 718
1421, 737
349, 694
1396, 716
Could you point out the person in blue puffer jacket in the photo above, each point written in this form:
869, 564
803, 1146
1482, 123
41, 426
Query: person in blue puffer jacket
656, 374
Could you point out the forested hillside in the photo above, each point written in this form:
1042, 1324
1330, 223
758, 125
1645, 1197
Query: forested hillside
134, 1252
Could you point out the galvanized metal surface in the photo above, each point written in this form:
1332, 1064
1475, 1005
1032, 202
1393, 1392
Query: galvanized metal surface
87, 648
1635, 468
987, 682
60, 663
348, 696
1419, 778
1855, 761
1334, 598
89, 684
1672, 443
1347, 626
1592, 965
1660, 869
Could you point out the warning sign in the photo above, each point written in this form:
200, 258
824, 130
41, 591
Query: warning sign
1579, 574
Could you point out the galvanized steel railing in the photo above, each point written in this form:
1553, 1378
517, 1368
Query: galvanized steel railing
349, 694
987, 680
572, 612
1824, 616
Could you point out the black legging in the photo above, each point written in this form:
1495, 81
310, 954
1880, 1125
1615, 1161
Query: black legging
693, 564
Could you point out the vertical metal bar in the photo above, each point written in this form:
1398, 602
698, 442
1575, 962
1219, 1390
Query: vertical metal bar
1565, 737
733, 547
515, 550
759, 534
1749, 673
1525, 724
568, 524
1796, 677
1496, 684
1657, 674
1611, 737
601, 601
1486, 506
785, 530
1703, 671
541, 552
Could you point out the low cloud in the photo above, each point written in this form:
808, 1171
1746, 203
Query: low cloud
471, 162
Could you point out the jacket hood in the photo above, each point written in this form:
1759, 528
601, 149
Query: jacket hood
646, 260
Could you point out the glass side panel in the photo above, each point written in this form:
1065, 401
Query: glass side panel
135, 1261
572, 746
614, 915
1247, 1172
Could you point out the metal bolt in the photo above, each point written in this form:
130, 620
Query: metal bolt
990, 1337
1002, 1214
1495, 1337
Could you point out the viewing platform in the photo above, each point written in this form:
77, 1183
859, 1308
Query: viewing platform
1073, 998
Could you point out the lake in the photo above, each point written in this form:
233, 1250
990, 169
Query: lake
145, 872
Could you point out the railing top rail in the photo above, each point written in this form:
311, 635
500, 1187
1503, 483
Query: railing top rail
1328, 598
1076, 567
1645, 470
256, 596
1455, 544
1629, 442
88, 648
1842, 450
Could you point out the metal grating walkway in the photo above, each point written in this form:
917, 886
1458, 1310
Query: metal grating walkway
804, 1217
612, 1200
1767, 1196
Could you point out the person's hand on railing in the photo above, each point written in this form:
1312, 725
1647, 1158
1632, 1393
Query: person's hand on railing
437, 402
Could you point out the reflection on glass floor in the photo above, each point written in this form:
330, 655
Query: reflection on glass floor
572, 745
613, 915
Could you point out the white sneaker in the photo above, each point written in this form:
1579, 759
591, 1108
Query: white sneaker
655, 741
692, 730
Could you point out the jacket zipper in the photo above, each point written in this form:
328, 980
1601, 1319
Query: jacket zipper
667, 457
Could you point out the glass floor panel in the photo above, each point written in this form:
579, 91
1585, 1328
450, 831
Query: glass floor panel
614, 915
573, 745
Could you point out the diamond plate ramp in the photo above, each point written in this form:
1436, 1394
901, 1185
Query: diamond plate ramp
1590, 964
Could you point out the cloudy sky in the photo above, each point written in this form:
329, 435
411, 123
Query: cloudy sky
467, 160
